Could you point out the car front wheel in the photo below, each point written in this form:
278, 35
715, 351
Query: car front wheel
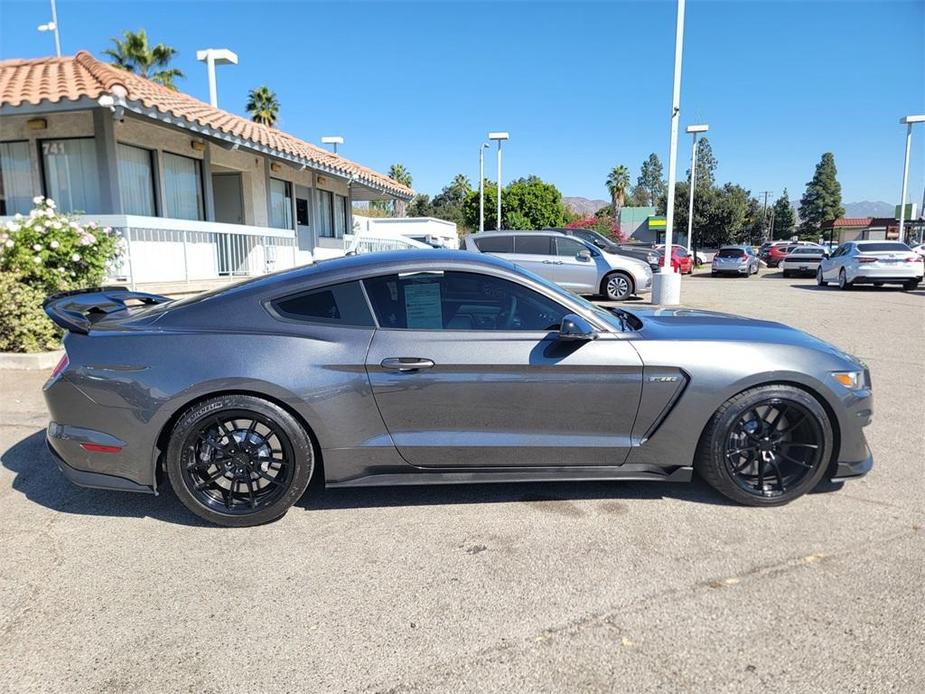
618, 286
820, 279
238, 460
766, 446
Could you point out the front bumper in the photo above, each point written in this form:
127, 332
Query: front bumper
846, 470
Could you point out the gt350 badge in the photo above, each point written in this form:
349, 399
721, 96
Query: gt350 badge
663, 379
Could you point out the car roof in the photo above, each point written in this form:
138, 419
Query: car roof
517, 232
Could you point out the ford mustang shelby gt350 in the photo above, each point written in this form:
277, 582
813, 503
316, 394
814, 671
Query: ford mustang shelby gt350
433, 367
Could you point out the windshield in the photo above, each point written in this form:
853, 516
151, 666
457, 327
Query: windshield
619, 319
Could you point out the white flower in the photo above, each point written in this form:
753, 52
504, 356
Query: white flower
8, 243
73, 274
49, 213
54, 244
39, 228
50, 203
73, 225
92, 225
76, 257
12, 226
56, 225
37, 200
36, 260
17, 216
61, 270
36, 247
87, 240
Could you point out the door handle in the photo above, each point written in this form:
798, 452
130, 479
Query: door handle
406, 363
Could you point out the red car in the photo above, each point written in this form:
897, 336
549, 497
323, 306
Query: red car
778, 253
681, 261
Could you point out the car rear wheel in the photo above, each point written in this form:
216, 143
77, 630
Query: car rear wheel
618, 286
820, 281
766, 446
910, 285
239, 460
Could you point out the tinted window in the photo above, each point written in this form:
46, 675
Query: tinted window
569, 247
459, 301
885, 247
533, 245
343, 304
496, 244
679, 251
730, 253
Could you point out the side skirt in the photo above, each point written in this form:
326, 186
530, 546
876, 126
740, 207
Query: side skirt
545, 474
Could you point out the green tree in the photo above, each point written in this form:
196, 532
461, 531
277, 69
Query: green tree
399, 174
618, 182
133, 53
784, 218
527, 203
448, 203
706, 164
263, 106
421, 206
651, 182
821, 201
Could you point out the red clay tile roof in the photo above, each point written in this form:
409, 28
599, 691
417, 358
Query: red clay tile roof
83, 76
852, 222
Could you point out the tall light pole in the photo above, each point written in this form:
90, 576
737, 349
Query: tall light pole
53, 26
693, 130
907, 121
332, 140
212, 57
500, 137
482, 149
666, 285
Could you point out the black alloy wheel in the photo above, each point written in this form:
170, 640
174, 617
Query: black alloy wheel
239, 460
766, 446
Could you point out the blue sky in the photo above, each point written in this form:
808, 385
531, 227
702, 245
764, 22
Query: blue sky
580, 86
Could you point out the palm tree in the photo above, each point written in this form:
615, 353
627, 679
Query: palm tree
133, 53
263, 105
398, 173
618, 181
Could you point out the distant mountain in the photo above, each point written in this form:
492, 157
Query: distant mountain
584, 206
867, 208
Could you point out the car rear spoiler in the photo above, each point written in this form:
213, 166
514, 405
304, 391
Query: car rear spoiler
78, 310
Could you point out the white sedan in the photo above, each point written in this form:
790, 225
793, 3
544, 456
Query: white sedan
872, 262
802, 260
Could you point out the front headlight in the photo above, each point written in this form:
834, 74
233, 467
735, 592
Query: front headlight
852, 380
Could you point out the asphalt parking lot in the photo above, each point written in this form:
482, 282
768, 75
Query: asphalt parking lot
537, 587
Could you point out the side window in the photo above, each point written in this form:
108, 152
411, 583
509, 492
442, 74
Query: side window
339, 304
569, 247
459, 301
496, 244
533, 244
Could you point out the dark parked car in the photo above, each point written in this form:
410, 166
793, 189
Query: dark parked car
432, 367
644, 253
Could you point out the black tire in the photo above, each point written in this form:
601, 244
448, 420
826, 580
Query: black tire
786, 273
843, 282
820, 282
793, 474
212, 460
714, 274
911, 285
617, 286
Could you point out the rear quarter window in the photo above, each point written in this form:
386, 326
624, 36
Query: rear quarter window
339, 304
495, 244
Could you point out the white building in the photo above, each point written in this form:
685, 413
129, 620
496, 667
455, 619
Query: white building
198, 192
429, 230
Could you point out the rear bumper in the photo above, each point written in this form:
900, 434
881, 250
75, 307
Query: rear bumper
847, 470
95, 480
892, 276
736, 270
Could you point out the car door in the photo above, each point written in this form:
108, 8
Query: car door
834, 264
576, 269
536, 253
467, 370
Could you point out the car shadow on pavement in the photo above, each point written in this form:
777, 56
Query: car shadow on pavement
862, 288
40, 481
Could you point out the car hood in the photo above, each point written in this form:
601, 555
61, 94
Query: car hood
696, 324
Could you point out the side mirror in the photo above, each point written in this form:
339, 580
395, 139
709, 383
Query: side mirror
574, 327
584, 255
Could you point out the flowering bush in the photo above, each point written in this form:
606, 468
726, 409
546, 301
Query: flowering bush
603, 225
48, 252
54, 252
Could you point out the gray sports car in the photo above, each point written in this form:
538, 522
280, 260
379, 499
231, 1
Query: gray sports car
435, 367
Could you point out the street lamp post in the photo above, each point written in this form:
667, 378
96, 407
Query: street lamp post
482, 149
693, 130
53, 27
666, 285
908, 122
212, 57
500, 137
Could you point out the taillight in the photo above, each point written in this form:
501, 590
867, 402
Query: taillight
62, 365
866, 259
916, 259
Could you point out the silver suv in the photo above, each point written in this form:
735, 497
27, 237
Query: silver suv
570, 262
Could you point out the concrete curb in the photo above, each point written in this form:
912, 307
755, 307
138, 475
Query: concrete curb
35, 361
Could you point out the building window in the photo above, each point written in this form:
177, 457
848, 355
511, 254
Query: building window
326, 213
182, 187
15, 178
136, 180
280, 204
340, 216
71, 175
